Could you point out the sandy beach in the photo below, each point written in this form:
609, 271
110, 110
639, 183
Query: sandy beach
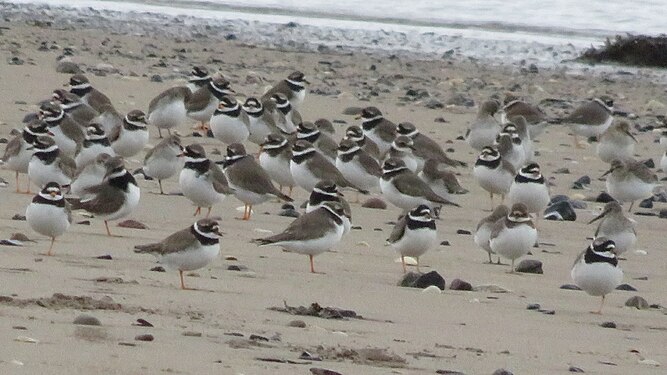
226, 325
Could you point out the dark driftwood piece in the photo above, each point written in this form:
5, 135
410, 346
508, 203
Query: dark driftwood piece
635, 50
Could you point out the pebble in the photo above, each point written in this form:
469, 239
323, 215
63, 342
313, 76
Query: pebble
608, 325
87, 320
323, 371
132, 224
375, 203
432, 289
575, 369
449, 372
445, 243
581, 183
104, 257
646, 203
15, 61
460, 100
428, 279
68, 67
458, 284
156, 78
191, 334
662, 214
626, 287
237, 267
491, 288
533, 306
352, 111
530, 266
433, 103
289, 212
502, 371
158, 269
638, 302
144, 337
463, 231
563, 170
18, 217
649, 163
604, 198
560, 211
297, 324
570, 287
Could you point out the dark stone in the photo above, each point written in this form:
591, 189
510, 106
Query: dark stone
445, 243
306, 356
570, 287
156, 78
646, 203
158, 269
458, 284
626, 287
428, 279
649, 163
87, 320
323, 371
231, 37
144, 337
547, 312
356, 227
236, 267
502, 371
18, 217
533, 306
608, 325
15, 61
563, 170
662, 214
581, 183
104, 257
463, 231
449, 372
560, 211
532, 68
604, 198
644, 213
575, 369
530, 266
638, 302
375, 203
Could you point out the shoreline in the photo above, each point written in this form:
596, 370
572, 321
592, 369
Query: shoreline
419, 43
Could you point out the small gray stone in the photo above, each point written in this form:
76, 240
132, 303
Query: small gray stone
638, 302
460, 100
144, 337
570, 287
87, 320
352, 111
575, 369
428, 279
409, 279
68, 67
530, 266
502, 371
608, 325
458, 284
297, 324
533, 306
375, 203
563, 170
433, 103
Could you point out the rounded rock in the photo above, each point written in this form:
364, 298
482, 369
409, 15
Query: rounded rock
87, 320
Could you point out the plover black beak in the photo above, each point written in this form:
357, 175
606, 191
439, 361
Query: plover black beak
600, 216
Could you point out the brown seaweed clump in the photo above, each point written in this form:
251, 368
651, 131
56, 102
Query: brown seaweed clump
634, 50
